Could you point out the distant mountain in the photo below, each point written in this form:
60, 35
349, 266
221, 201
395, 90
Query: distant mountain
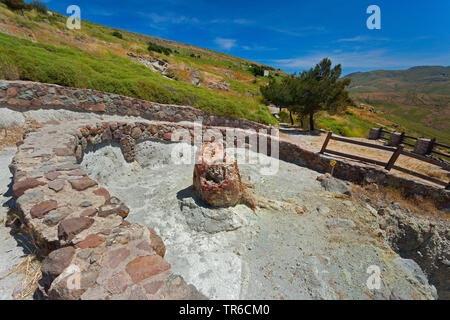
423, 79
417, 99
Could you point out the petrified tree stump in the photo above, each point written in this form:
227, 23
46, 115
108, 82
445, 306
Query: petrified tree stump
216, 177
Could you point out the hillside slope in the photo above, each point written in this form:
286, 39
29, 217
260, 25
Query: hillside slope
39, 47
416, 100
424, 79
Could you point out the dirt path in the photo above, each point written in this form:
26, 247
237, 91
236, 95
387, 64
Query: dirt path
315, 141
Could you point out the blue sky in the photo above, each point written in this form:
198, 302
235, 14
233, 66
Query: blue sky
291, 35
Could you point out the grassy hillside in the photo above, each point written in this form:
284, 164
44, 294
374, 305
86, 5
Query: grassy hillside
416, 100
38, 47
426, 79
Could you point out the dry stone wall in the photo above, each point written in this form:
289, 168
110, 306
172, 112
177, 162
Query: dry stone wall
24, 95
90, 250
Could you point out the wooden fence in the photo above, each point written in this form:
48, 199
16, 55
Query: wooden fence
424, 147
396, 152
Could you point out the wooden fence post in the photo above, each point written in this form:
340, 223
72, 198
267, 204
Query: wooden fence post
431, 145
325, 143
394, 157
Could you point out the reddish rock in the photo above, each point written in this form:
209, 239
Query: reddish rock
63, 152
144, 267
58, 260
153, 129
112, 207
167, 136
157, 243
153, 287
56, 185
21, 186
83, 183
90, 212
136, 133
11, 92
41, 209
136, 293
52, 175
216, 178
117, 256
91, 241
117, 283
77, 173
69, 228
101, 107
103, 193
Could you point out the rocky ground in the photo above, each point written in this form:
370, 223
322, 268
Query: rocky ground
11, 252
305, 240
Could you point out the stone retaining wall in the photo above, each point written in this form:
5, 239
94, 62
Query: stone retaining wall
90, 251
25, 95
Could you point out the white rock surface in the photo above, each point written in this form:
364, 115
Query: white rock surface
10, 253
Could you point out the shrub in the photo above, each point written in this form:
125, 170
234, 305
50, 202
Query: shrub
284, 116
39, 6
157, 48
117, 34
257, 70
17, 5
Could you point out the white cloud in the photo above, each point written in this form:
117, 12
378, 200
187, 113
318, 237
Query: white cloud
172, 19
361, 39
225, 44
242, 21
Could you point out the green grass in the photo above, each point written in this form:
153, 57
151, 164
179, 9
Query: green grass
349, 126
412, 119
112, 73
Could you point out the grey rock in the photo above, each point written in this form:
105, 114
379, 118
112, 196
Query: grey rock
331, 184
340, 223
210, 220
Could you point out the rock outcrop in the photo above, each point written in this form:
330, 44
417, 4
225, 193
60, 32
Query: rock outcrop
216, 177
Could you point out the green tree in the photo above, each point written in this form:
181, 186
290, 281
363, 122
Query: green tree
279, 93
320, 88
117, 34
314, 90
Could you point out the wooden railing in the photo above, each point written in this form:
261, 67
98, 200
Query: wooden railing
396, 152
411, 141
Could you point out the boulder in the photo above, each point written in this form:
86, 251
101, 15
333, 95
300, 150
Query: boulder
331, 184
